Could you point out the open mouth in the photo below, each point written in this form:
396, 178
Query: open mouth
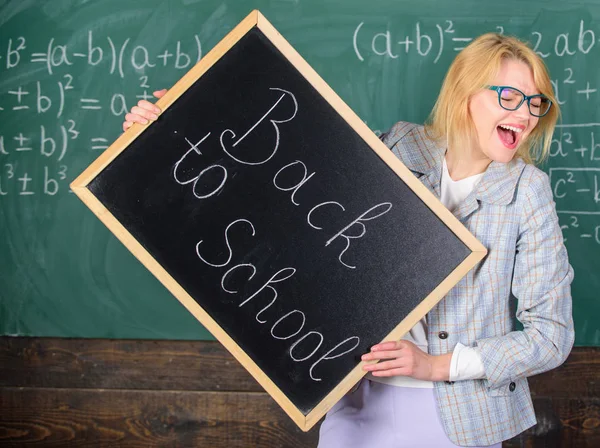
509, 135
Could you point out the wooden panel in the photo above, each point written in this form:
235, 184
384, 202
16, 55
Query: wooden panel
194, 393
578, 376
54, 417
134, 418
121, 364
562, 423
200, 365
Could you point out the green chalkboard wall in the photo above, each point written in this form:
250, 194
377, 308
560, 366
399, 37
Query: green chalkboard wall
70, 69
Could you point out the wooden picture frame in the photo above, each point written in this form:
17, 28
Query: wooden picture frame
256, 19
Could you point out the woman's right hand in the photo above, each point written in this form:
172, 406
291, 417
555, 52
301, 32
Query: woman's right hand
144, 112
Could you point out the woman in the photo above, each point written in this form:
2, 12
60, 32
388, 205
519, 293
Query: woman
459, 376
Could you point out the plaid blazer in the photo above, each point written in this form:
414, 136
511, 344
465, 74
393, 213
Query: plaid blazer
525, 273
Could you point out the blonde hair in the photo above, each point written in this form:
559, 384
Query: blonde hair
474, 68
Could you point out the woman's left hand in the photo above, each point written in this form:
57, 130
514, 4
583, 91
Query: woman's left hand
406, 359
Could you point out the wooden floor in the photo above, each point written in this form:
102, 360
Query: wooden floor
118, 393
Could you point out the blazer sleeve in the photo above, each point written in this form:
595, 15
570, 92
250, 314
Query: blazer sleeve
542, 285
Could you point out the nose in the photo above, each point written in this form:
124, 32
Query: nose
523, 111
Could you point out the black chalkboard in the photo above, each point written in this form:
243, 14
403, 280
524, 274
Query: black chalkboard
276, 217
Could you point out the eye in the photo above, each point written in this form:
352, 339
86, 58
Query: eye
509, 95
541, 104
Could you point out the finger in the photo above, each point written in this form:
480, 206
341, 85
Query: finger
386, 365
398, 371
150, 115
138, 114
381, 355
134, 118
388, 345
147, 105
399, 366
159, 93
126, 125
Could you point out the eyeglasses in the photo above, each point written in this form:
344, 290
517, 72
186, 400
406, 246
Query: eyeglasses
510, 98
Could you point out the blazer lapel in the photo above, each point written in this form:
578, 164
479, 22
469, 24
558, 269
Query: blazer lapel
497, 186
424, 157
432, 179
468, 206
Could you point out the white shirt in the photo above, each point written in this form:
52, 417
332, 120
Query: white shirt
466, 361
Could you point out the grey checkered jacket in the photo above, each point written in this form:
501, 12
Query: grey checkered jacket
525, 274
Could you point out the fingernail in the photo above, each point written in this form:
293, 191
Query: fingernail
144, 121
157, 110
154, 116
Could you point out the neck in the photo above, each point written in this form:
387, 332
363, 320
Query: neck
461, 166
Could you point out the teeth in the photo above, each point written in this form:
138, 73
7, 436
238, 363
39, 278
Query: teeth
512, 128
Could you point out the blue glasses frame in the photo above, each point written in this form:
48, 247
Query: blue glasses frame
498, 89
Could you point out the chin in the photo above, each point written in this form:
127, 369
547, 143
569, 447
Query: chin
503, 155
